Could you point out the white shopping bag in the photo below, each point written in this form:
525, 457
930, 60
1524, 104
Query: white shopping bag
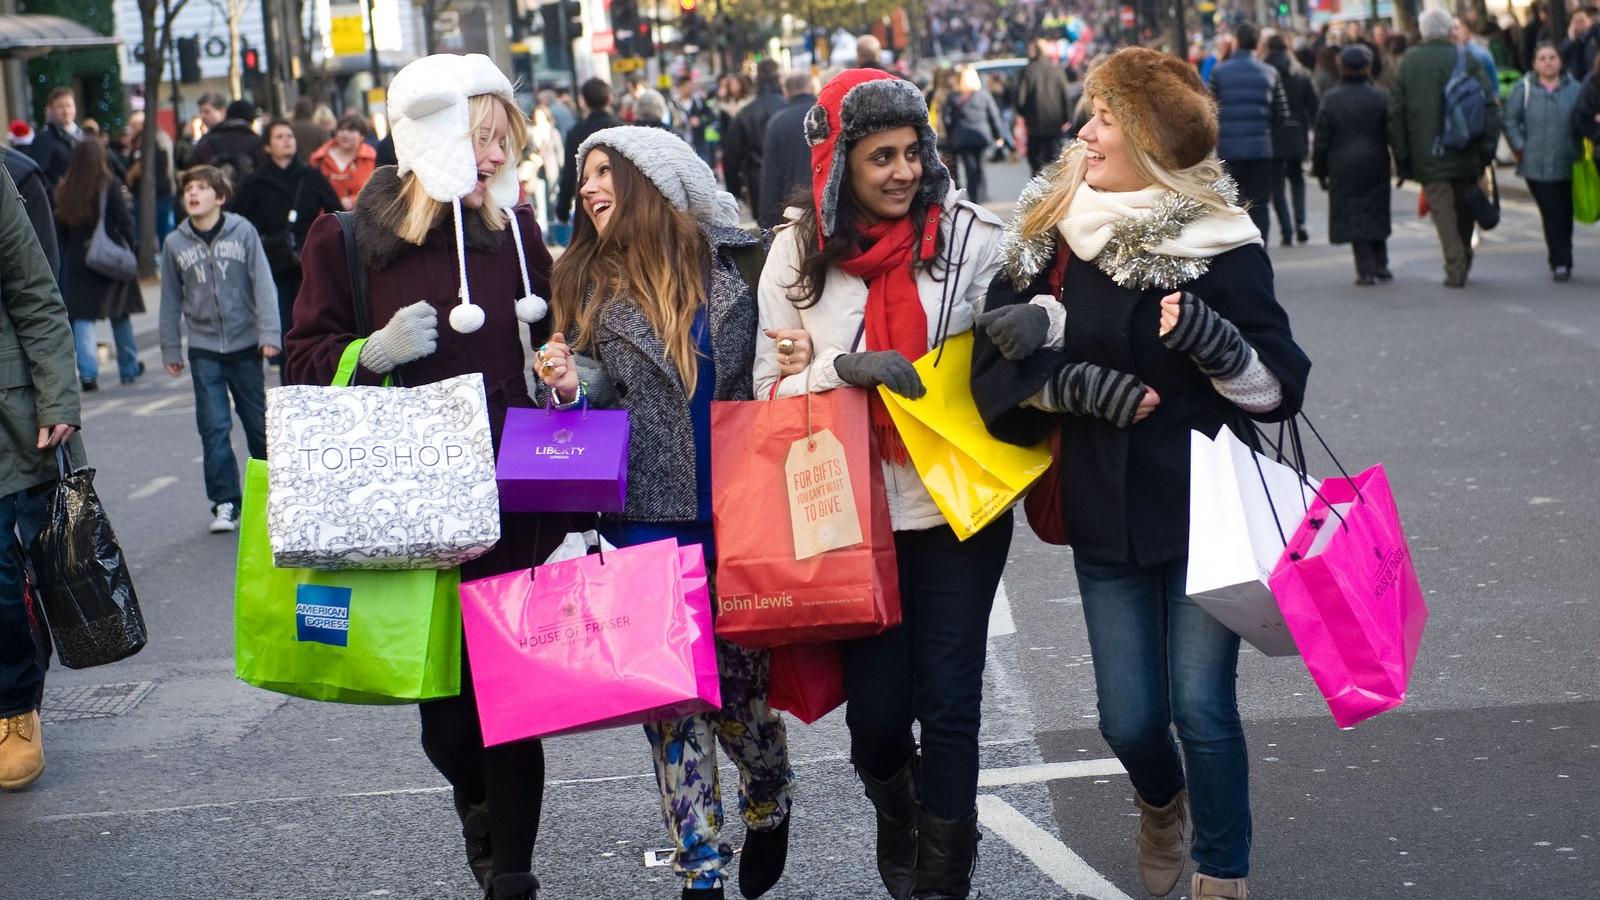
381, 477
1235, 539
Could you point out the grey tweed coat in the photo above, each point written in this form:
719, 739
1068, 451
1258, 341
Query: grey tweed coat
631, 371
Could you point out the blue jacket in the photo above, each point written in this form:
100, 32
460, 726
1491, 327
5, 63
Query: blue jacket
1251, 103
1539, 127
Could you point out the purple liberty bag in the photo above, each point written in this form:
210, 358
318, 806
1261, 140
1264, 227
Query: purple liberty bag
563, 460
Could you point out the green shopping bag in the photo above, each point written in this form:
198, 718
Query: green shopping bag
1586, 187
348, 636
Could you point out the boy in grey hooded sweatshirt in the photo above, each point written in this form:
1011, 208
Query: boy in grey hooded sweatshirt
217, 284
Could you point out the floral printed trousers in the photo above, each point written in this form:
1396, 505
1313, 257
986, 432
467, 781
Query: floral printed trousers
685, 756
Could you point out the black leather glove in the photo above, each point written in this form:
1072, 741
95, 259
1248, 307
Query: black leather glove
1085, 389
1017, 330
1211, 341
889, 368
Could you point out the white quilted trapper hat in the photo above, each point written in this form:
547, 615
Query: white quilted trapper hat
432, 127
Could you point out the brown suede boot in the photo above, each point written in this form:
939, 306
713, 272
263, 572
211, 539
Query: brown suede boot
21, 751
1204, 887
1161, 843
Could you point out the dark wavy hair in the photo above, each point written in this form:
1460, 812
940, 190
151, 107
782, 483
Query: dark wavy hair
77, 194
845, 243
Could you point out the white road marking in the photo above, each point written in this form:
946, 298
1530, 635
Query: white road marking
151, 408
1053, 858
91, 410
1000, 621
152, 487
1038, 774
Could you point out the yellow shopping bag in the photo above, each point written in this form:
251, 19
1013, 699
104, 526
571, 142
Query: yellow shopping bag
973, 476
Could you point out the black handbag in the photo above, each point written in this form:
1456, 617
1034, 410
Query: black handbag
82, 580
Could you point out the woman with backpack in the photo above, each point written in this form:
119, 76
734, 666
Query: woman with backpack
86, 195
1164, 321
282, 198
1539, 128
884, 264
651, 293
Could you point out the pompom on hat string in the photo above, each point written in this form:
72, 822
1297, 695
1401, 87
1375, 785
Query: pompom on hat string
432, 132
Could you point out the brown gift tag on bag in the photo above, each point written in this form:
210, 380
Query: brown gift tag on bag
822, 506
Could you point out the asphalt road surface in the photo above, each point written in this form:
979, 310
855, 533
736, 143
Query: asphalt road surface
170, 779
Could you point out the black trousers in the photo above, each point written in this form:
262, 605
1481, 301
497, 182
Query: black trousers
1042, 151
1289, 185
1372, 257
1255, 177
973, 178
1555, 210
509, 776
930, 669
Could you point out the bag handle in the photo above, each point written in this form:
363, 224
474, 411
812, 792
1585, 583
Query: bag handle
345, 374
358, 275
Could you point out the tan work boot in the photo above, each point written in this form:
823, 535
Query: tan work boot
1161, 843
1204, 887
21, 751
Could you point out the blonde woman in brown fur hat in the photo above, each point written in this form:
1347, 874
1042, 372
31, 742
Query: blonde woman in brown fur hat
1137, 304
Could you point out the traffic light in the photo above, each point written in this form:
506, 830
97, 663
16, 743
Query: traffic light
1283, 10
188, 59
250, 59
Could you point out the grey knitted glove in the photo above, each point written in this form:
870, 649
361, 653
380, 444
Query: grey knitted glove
1017, 330
1085, 389
1211, 341
412, 334
889, 368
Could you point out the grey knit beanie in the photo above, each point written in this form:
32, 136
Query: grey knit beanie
672, 166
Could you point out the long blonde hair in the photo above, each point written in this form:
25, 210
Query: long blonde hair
1198, 182
419, 213
651, 253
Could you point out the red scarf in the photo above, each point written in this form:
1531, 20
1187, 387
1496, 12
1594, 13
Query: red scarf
895, 319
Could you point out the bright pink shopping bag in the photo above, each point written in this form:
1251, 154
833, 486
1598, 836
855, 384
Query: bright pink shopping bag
1349, 595
597, 641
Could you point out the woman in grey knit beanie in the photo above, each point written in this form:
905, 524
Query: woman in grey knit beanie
650, 296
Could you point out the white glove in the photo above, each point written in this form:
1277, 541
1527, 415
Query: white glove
412, 334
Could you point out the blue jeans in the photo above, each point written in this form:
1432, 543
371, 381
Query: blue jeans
21, 674
1162, 661
85, 340
214, 379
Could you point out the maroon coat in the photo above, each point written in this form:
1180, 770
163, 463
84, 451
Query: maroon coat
399, 274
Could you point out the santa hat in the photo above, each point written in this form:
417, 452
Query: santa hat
432, 130
856, 103
20, 128
1160, 102
673, 167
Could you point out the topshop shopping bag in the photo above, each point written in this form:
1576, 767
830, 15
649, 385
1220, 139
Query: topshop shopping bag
348, 636
1242, 504
806, 681
380, 477
585, 642
1349, 594
554, 460
972, 476
805, 549
81, 578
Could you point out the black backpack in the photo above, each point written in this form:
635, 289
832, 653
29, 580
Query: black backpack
1465, 109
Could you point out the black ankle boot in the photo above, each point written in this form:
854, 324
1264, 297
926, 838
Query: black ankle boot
761, 863
515, 886
896, 802
947, 852
475, 830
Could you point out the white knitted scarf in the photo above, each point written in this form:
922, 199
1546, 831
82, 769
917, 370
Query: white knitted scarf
1094, 215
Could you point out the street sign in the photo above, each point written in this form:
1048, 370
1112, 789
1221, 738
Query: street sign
348, 35
603, 42
628, 64
1127, 17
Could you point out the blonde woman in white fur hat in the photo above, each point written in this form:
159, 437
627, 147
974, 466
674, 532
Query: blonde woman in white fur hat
442, 236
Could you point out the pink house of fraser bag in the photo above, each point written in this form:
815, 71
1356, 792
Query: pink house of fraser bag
592, 641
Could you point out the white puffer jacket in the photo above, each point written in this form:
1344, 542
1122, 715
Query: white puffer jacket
835, 321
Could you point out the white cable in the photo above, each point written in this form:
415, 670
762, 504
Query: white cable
465, 318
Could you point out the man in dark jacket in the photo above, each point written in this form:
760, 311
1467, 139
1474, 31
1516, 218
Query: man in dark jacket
596, 96
38, 413
1251, 104
1449, 178
1582, 45
52, 147
30, 182
1290, 141
785, 155
743, 145
1044, 100
233, 145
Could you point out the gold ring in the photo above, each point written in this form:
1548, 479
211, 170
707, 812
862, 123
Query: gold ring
548, 368
785, 346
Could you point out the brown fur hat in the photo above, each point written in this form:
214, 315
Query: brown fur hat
1160, 103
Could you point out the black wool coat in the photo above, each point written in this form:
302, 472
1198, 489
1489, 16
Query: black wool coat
89, 294
266, 198
1125, 491
1352, 153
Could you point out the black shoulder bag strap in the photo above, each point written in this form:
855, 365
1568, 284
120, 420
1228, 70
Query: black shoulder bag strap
358, 274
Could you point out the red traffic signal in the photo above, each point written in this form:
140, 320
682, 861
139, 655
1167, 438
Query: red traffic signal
250, 58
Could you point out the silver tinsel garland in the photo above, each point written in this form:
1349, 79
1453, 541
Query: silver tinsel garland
1127, 257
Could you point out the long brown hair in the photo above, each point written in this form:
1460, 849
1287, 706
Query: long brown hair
77, 196
651, 254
